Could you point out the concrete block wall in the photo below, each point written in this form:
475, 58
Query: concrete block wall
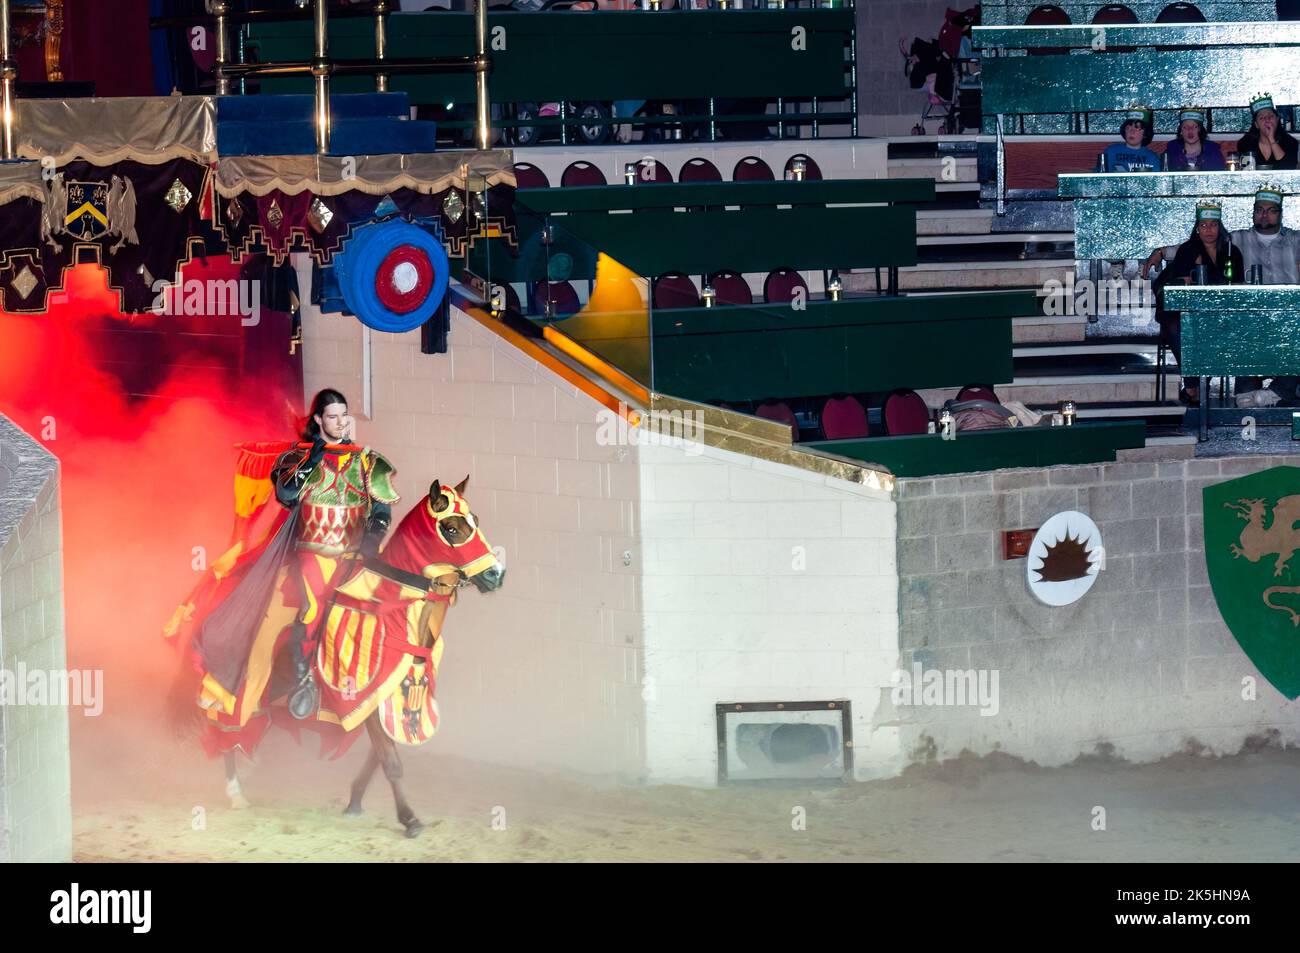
887, 104
545, 672
1143, 662
35, 775
762, 582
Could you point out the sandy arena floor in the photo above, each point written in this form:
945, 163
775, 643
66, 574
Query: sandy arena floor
1240, 808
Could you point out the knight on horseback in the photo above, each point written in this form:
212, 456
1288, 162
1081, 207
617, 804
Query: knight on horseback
344, 500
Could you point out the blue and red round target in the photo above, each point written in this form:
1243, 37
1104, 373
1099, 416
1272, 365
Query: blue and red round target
393, 275
404, 279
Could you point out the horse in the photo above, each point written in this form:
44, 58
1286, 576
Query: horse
378, 648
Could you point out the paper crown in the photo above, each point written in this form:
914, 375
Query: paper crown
1137, 112
1209, 212
1261, 101
1194, 113
1269, 193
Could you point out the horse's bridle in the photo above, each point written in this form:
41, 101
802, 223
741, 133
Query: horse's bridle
416, 581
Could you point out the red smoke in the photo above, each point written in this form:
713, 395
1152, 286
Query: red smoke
145, 479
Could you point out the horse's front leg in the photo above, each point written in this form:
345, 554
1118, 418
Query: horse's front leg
362, 782
233, 791
386, 752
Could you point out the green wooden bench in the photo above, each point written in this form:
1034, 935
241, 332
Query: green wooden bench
827, 226
1236, 330
855, 345
739, 353
1013, 12
980, 450
1165, 66
1172, 65
571, 56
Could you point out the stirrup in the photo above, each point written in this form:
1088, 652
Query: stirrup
304, 699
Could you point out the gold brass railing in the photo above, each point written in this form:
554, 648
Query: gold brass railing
321, 67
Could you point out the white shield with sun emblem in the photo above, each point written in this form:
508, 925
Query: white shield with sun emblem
1064, 559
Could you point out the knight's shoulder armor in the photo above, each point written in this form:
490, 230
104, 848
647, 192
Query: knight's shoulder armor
381, 476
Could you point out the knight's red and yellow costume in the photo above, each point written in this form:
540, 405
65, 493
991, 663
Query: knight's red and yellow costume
273, 583
344, 500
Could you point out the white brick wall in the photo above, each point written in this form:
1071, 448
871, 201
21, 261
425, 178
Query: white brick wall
729, 617
35, 777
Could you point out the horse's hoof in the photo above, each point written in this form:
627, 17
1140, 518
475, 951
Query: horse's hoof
413, 828
352, 810
239, 803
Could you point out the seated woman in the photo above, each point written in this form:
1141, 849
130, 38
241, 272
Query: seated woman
1271, 145
1211, 246
1190, 150
1132, 155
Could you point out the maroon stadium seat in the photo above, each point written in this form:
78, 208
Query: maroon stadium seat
780, 285
675, 290
752, 169
653, 171
699, 170
1048, 14
978, 392
512, 299
1181, 13
905, 412
775, 410
731, 288
528, 176
564, 299
812, 171
582, 173
1115, 13
844, 418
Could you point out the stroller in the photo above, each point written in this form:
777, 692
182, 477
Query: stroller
936, 66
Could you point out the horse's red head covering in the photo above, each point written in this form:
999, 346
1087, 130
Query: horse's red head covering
425, 543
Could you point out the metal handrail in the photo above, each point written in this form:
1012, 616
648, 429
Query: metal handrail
8, 80
446, 64
320, 67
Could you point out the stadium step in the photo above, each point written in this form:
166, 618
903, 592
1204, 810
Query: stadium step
957, 275
945, 170
965, 221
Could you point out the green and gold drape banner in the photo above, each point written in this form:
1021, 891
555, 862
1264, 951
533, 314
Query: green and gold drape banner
1251, 554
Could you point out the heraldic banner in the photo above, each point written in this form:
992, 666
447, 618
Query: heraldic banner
1251, 544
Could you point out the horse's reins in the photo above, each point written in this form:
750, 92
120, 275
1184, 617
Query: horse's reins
415, 580
411, 579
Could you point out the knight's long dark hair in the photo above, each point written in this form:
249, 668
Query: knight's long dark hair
318, 404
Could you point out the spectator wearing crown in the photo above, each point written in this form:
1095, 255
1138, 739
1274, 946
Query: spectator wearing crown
1271, 146
1275, 249
1190, 150
1132, 155
1209, 245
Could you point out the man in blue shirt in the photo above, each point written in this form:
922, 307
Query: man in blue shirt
1132, 155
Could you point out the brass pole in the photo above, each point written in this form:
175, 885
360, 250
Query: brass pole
381, 42
320, 69
219, 9
8, 77
482, 133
